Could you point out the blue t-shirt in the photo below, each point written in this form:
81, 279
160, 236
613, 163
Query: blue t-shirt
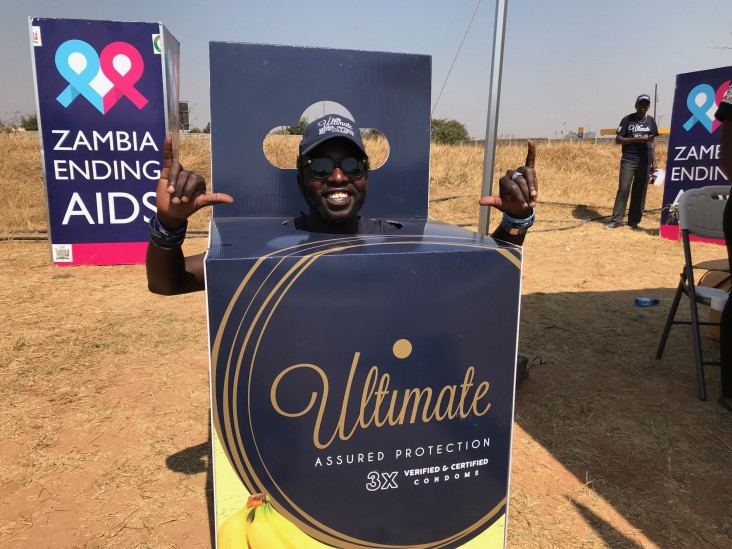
630, 126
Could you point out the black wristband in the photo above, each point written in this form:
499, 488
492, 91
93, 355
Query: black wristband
164, 238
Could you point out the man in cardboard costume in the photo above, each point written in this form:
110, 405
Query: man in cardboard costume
332, 173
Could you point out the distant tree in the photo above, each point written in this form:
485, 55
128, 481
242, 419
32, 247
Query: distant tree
194, 129
296, 130
448, 131
207, 128
29, 123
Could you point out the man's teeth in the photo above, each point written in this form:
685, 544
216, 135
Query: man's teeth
338, 196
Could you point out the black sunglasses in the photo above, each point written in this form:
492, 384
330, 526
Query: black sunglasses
322, 167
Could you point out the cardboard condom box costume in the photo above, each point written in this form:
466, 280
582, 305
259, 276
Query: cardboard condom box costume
363, 383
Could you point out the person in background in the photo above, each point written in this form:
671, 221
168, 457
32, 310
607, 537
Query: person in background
724, 114
332, 173
635, 133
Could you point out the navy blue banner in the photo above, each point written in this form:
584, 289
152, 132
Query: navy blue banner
693, 149
102, 117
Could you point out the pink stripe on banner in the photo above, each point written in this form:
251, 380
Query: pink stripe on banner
107, 253
672, 232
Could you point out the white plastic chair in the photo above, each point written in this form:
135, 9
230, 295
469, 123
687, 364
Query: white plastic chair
700, 214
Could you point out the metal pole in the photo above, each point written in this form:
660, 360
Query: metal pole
492, 123
655, 100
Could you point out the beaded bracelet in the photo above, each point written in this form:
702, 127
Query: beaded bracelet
164, 238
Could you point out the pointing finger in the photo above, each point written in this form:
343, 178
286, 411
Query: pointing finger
167, 152
171, 173
167, 158
531, 154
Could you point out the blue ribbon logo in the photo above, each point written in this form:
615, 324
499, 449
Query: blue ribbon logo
700, 113
78, 73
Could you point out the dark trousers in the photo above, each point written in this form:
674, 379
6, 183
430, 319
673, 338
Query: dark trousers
632, 174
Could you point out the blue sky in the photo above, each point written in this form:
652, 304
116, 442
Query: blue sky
567, 63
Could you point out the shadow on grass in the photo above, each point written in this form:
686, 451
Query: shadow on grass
599, 401
193, 461
605, 531
590, 214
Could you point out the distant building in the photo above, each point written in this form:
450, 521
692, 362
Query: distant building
183, 116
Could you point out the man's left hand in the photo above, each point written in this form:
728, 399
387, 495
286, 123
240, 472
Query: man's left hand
518, 189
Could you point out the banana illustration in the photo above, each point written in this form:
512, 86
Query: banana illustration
232, 533
290, 535
259, 534
259, 526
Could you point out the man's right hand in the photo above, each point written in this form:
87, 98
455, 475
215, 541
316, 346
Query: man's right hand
518, 190
181, 193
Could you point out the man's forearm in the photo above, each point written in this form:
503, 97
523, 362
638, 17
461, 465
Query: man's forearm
620, 140
170, 273
502, 234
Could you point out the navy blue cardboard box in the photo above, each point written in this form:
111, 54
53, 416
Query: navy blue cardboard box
364, 383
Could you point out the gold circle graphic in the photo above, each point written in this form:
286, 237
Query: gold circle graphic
402, 348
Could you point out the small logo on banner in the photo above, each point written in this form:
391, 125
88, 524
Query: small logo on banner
157, 44
101, 79
702, 103
36, 34
62, 253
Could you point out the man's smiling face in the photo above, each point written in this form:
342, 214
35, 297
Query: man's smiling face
335, 198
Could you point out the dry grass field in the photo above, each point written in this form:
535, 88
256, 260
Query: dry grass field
105, 386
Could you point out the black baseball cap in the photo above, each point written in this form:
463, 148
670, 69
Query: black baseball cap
643, 97
328, 127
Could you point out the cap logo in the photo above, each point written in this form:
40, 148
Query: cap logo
335, 125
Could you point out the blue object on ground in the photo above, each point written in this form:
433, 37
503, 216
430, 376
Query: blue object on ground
645, 301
